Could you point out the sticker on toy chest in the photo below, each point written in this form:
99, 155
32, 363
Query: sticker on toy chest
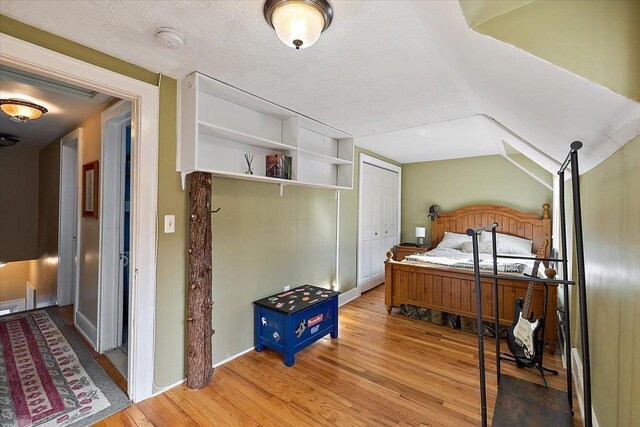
314, 320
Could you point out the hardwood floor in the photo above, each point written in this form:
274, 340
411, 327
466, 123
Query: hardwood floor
66, 311
383, 370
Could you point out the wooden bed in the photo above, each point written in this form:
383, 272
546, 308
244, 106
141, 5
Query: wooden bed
452, 290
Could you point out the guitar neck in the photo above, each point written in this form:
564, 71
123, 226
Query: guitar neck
526, 306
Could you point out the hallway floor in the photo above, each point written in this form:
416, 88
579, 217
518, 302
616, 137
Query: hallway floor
66, 311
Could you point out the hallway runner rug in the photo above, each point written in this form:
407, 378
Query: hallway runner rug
48, 376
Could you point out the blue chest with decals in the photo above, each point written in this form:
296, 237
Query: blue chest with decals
291, 321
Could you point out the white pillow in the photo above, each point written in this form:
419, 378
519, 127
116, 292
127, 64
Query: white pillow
453, 241
510, 245
484, 247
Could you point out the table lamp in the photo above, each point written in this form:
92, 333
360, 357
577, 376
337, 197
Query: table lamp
420, 233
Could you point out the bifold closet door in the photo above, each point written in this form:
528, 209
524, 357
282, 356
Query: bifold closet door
379, 223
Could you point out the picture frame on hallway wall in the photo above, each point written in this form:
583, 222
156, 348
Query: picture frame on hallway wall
90, 185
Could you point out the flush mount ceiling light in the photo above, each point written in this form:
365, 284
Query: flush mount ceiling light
298, 23
20, 110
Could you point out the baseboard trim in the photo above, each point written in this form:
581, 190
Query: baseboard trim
160, 390
229, 359
348, 296
87, 329
46, 302
576, 365
13, 306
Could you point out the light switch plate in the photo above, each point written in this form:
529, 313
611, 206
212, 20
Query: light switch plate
169, 223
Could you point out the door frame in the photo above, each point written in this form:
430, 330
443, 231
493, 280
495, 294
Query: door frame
373, 161
113, 120
69, 220
144, 184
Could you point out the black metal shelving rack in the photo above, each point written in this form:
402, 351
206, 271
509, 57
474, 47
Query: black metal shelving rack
518, 400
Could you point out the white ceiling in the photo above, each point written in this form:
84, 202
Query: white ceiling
452, 139
381, 66
65, 111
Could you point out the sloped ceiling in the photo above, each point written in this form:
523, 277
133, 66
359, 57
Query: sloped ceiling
596, 39
381, 67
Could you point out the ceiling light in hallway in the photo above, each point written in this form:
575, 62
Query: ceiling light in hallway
21, 110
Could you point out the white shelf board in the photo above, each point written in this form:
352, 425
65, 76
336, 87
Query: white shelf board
223, 174
323, 157
232, 135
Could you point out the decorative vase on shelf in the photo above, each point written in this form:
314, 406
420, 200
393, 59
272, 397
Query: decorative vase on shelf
248, 157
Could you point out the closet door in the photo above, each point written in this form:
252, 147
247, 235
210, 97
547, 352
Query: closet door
379, 223
377, 240
366, 226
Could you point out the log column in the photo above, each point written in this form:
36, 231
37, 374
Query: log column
199, 302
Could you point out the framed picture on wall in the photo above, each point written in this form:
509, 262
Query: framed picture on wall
90, 186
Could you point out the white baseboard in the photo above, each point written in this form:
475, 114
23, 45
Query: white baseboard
46, 302
161, 390
87, 329
13, 305
348, 296
229, 359
576, 365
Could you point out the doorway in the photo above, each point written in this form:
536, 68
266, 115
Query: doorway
144, 99
115, 244
378, 224
68, 227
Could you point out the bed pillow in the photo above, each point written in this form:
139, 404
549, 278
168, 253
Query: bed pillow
510, 245
453, 241
484, 247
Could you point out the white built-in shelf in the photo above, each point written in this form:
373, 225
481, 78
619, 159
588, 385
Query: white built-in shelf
241, 137
220, 123
323, 158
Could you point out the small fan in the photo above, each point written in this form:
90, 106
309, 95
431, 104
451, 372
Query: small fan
7, 140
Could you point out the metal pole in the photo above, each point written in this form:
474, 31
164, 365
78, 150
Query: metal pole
476, 271
584, 321
496, 308
565, 287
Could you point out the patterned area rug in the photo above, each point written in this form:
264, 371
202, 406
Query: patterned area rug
48, 376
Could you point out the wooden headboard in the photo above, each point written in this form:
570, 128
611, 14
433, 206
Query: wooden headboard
510, 221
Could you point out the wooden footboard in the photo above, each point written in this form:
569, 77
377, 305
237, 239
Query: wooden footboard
452, 290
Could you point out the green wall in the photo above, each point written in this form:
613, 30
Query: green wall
596, 39
610, 197
453, 184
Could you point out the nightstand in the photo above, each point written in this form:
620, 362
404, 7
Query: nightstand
403, 251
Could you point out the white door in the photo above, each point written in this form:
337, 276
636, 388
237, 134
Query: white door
68, 219
366, 226
378, 223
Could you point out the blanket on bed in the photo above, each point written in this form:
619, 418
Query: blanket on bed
459, 259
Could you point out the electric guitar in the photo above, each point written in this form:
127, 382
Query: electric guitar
523, 335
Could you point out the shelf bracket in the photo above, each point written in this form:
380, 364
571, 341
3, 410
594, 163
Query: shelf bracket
183, 179
282, 189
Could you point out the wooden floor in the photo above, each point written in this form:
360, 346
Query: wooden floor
383, 370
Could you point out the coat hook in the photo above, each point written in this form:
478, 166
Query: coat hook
216, 210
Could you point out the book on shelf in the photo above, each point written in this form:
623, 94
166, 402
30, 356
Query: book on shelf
278, 166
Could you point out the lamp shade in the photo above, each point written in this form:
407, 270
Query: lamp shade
298, 24
420, 232
21, 110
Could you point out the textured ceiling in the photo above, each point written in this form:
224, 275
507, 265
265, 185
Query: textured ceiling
375, 69
381, 66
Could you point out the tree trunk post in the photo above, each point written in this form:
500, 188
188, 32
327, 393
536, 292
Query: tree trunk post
199, 302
